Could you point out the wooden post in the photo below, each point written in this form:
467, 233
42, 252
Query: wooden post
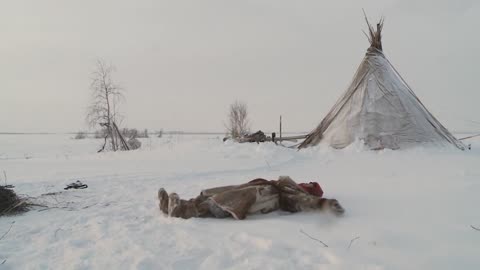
280, 128
124, 143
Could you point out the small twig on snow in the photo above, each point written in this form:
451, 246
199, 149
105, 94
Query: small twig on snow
477, 229
3, 261
313, 238
5, 234
353, 240
56, 207
267, 163
88, 206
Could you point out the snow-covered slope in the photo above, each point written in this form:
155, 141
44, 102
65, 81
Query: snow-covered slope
405, 209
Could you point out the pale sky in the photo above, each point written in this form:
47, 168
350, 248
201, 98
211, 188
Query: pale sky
183, 62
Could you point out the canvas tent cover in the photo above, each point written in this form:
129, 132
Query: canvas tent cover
380, 109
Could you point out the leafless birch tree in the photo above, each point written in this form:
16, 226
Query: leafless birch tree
238, 123
103, 109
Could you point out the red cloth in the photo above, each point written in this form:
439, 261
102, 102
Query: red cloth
312, 188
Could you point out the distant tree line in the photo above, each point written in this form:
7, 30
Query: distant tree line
126, 132
134, 133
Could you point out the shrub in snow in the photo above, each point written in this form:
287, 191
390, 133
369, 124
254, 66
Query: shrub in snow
80, 135
10, 203
134, 133
134, 143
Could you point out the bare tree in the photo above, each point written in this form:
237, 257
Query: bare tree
103, 109
238, 124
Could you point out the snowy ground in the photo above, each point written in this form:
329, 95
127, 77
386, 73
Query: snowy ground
410, 209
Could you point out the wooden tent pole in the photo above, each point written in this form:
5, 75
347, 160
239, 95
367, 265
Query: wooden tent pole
469, 137
280, 128
125, 145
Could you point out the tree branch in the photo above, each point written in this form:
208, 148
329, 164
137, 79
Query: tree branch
325, 245
351, 241
5, 234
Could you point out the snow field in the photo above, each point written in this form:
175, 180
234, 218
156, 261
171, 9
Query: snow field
411, 209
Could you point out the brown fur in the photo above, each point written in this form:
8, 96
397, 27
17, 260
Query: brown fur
255, 196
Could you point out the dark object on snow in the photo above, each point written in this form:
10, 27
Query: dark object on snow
258, 196
257, 137
10, 203
76, 185
134, 143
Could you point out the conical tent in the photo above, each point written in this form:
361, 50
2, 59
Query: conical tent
380, 109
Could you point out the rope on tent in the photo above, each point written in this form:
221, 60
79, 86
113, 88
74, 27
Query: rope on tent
469, 137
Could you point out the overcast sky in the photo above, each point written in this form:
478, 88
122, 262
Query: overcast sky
183, 62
